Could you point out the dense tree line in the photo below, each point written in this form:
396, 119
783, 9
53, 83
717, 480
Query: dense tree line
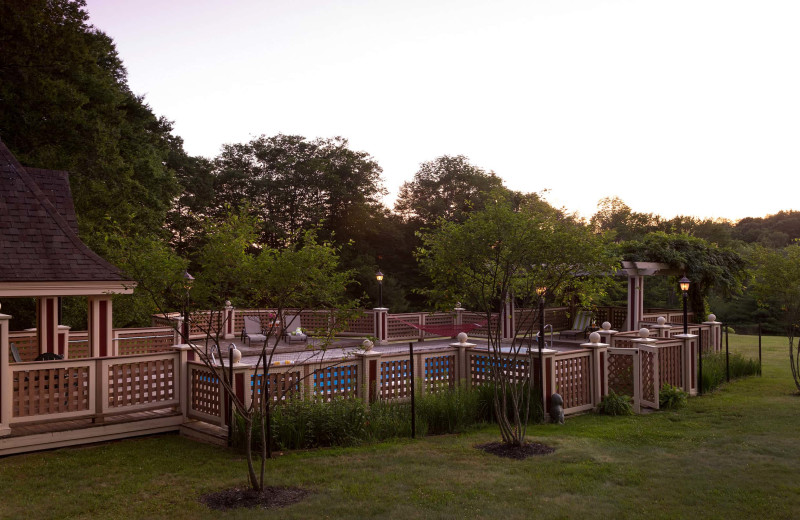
65, 104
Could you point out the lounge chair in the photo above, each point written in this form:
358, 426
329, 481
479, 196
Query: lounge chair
583, 320
15, 354
253, 331
289, 331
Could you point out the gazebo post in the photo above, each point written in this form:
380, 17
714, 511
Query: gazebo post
6, 387
47, 324
101, 343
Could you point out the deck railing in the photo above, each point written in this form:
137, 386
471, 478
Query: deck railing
93, 387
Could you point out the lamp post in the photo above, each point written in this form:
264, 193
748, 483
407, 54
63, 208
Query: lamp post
684, 285
379, 277
541, 291
187, 285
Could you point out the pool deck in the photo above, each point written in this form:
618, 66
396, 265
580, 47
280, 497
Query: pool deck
343, 348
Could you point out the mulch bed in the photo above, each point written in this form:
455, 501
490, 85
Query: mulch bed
271, 497
530, 449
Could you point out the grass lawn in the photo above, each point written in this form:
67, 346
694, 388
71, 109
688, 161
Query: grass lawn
730, 454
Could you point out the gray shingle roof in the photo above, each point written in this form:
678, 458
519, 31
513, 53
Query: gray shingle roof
38, 229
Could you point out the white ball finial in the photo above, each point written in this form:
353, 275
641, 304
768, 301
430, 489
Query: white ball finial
661, 320
367, 345
606, 325
594, 337
644, 333
712, 317
462, 337
237, 354
227, 303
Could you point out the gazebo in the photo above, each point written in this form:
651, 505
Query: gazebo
42, 257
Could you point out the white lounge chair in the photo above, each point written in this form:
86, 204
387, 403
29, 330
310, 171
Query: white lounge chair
253, 331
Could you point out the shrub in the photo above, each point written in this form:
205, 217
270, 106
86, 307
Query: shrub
714, 368
671, 397
613, 404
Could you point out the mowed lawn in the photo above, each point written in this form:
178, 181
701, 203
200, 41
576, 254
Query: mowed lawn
734, 453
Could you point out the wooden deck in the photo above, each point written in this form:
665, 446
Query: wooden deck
36, 437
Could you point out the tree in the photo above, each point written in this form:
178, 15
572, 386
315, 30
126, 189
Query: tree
447, 188
65, 104
706, 265
501, 253
290, 183
232, 266
777, 285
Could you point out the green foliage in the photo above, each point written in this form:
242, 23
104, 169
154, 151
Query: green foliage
613, 404
777, 284
65, 104
671, 397
446, 188
714, 368
705, 264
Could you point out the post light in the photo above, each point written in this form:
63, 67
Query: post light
379, 277
541, 290
684, 285
188, 280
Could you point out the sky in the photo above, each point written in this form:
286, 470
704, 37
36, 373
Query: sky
678, 108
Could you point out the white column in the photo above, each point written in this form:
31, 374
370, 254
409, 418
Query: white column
635, 301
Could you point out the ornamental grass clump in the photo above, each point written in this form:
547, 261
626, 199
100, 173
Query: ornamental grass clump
449, 410
614, 404
714, 368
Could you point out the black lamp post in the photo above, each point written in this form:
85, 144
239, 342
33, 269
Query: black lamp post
684, 284
541, 291
187, 285
379, 277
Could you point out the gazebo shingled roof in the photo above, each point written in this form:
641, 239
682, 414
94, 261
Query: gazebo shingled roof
38, 231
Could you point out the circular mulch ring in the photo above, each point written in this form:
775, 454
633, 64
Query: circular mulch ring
529, 449
271, 497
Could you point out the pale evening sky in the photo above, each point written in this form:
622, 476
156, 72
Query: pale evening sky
683, 107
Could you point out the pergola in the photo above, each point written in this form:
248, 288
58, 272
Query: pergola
42, 257
636, 271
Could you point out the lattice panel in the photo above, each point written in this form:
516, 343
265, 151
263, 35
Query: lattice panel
130, 384
27, 345
395, 379
49, 391
398, 330
476, 317
201, 322
144, 342
79, 349
336, 381
620, 374
618, 317
440, 372
573, 376
481, 367
280, 386
316, 320
205, 392
670, 359
439, 318
648, 375
361, 325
